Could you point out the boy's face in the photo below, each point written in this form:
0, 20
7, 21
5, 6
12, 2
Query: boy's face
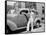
32, 13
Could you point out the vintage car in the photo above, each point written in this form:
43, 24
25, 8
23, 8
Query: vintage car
19, 21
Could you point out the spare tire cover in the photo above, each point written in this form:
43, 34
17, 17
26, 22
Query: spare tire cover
19, 20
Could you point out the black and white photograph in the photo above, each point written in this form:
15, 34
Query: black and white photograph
24, 17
